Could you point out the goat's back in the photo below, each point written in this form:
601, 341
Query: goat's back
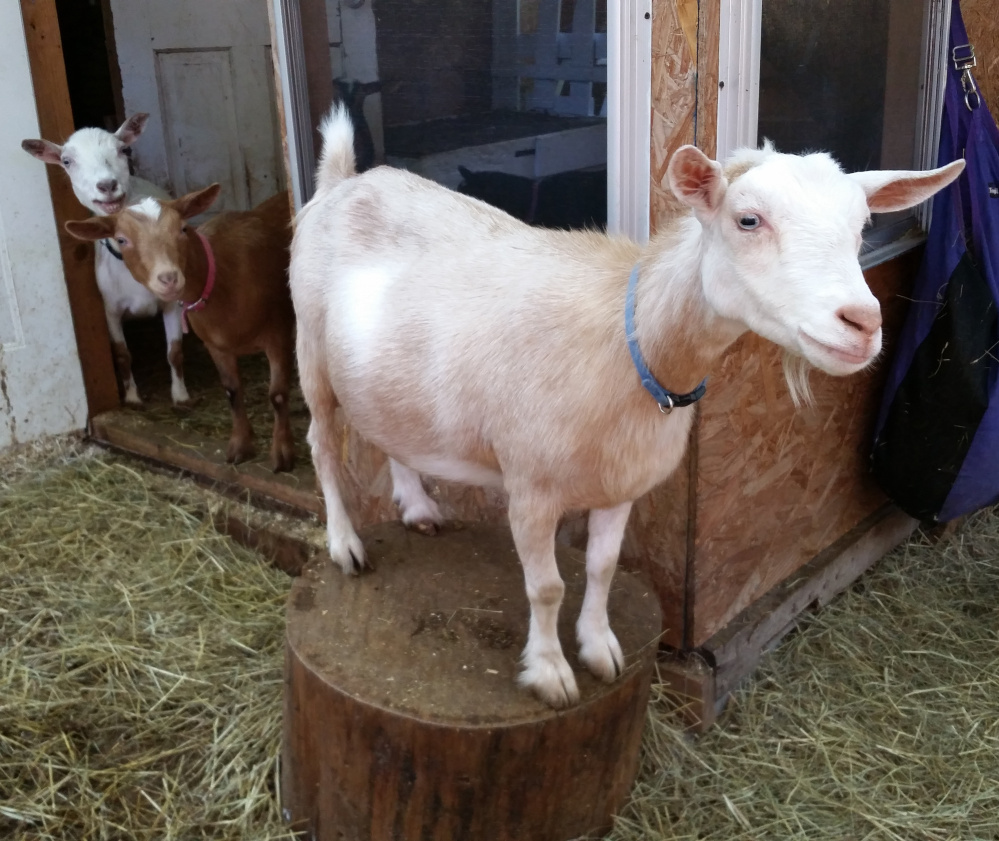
251, 249
456, 337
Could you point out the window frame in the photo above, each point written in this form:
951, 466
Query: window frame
629, 110
740, 33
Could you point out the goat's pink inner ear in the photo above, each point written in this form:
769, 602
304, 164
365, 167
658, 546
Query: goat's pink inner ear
889, 191
44, 150
90, 229
695, 179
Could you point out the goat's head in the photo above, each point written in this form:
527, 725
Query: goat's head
153, 237
782, 234
96, 162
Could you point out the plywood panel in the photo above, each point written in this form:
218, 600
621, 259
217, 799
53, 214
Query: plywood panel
776, 486
674, 95
655, 543
708, 29
983, 31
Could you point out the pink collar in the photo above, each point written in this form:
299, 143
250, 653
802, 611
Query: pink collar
202, 302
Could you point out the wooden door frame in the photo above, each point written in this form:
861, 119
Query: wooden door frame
55, 118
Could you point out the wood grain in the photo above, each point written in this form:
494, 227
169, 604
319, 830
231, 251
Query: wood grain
674, 94
55, 117
982, 23
775, 485
708, 35
402, 718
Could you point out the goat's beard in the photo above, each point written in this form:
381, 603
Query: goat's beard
796, 370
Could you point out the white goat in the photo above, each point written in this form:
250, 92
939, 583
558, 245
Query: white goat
97, 165
472, 347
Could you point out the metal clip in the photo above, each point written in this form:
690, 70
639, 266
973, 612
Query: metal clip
666, 409
964, 59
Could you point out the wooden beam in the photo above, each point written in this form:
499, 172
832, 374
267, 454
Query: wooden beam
736, 650
708, 33
129, 431
55, 117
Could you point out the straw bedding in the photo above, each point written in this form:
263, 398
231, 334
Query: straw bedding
140, 685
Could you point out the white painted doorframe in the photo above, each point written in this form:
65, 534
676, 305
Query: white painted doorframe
41, 381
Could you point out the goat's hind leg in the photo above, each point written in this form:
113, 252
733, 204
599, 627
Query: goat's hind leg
122, 358
599, 649
546, 671
241, 445
344, 545
418, 510
281, 360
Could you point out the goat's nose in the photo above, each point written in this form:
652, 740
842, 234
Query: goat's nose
864, 319
108, 186
168, 279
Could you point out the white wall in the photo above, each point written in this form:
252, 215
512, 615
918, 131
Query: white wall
41, 383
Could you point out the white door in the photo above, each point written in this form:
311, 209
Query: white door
41, 383
202, 69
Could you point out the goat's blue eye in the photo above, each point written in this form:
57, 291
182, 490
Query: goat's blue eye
749, 222
66, 162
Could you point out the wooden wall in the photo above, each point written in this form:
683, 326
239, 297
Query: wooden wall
982, 23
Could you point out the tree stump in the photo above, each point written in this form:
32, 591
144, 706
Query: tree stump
402, 717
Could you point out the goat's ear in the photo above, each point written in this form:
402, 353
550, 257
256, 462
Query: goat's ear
95, 228
44, 150
129, 131
696, 180
890, 190
197, 202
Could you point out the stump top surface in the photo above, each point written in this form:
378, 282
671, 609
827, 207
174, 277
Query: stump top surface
436, 630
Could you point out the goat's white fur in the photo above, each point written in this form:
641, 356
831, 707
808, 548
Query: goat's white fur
97, 166
494, 352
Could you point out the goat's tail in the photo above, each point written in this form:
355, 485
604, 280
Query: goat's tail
337, 161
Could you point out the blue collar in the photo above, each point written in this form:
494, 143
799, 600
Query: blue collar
666, 399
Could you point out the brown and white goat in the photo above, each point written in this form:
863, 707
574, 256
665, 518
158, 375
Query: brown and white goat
245, 309
472, 347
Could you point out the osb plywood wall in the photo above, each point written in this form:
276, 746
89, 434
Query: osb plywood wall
982, 22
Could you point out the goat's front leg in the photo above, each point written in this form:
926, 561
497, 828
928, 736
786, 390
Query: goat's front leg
546, 671
419, 511
281, 356
173, 326
241, 441
122, 358
599, 649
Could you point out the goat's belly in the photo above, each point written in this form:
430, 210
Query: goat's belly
456, 470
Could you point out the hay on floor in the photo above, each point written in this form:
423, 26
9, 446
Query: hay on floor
140, 686
879, 719
140, 664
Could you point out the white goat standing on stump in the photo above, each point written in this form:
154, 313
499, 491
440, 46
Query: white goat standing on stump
472, 347
97, 165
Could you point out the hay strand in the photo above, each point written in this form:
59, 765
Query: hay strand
140, 685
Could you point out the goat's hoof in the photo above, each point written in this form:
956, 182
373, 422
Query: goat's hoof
282, 458
552, 680
349, 555
426, 527
602, 655
182, 407
237, 453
